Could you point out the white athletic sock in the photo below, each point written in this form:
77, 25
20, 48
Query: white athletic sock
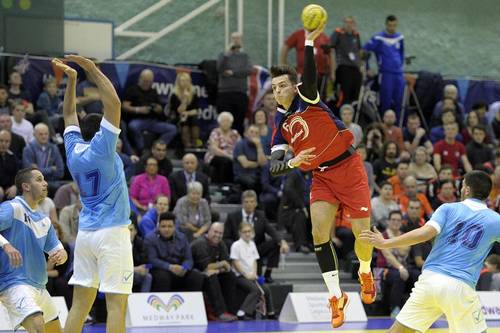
332, 283
364, 266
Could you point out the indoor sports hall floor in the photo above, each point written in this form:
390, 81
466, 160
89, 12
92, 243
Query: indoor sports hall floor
374, 325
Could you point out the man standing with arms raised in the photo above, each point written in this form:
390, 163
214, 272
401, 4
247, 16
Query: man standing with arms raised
103, 252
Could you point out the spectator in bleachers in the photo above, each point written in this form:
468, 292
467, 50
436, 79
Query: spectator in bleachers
142, 277
45, 156
221, 145
413, 218
272, 190
244, 256
416, 259
147, 186
347, 115
293, 213
385, 167
249, 160
17, 142
382, 205
392, 132
128, 161
494, 198
159, 151
374, 142
4, 99
269, 243
58, 277
446, 194
211, 256
495, 125
414, 135
270, 107
368, 167
394, 260
446, 173
184, 109
420, 166
170, 256
179, 180
234, 66
492, 264
410, 193
450, 100
388, 46
69, 218
478, 152
67, 194
144, 111
20, 125
471, 121
48, 109
448, 116
322, 56
193, 212
9, 165
265, 131
343, 238
346, 60
150, 219
449, 151
17, 94
397, 180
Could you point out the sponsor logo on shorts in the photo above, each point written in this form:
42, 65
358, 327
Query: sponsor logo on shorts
477, 316
364, 209
173, 304
128, 277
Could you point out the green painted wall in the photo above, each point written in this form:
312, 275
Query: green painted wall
457, 37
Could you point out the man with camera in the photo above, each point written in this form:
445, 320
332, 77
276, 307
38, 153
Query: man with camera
233, 67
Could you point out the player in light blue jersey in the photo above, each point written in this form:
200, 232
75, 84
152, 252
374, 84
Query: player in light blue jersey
464, 234
103, 252
26, 235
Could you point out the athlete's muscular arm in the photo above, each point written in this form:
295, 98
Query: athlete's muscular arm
69, 104
110, 100
309, 88
413, 237
280, 167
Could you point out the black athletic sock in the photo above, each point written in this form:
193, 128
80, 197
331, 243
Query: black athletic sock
326, 256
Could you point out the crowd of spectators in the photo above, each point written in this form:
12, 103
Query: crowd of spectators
179, 241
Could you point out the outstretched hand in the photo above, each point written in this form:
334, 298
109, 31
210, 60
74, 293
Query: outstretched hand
304, 157
83, 62
374, 238
313, 34
70, 72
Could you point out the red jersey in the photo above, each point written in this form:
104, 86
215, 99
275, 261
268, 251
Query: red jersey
311, 125
450, 154
296, 41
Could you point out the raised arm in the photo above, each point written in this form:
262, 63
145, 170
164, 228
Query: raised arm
420, 235
309, 89
69, 105
109, 97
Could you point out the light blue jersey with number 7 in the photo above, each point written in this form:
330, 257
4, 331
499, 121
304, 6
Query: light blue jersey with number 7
466, 233
98, 171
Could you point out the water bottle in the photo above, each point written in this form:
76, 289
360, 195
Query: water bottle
282, 261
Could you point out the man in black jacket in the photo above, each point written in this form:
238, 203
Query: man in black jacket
179, 179
268, 249
158, 151
294, 208
170, 256
211, 257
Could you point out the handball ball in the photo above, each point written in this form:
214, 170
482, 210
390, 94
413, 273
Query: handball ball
312, 16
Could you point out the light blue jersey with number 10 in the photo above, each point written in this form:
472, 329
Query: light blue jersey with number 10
98, 171
467, 231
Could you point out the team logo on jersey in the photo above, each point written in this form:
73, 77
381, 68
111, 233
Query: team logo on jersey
298, 128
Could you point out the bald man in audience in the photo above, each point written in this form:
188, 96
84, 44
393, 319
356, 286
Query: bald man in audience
144, 112
189, 173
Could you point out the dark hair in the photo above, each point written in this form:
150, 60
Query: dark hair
385, 183
391, 18
413, 115
168, 216
4, 87
447, 182
480, 184
158, 142
279, 70
479, 105
386, 146
479, 127
392, 212
258, 110
448, 110
90, 125
404, 161
494, 259
24, 176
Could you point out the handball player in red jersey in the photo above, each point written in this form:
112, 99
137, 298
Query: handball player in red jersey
322, 144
